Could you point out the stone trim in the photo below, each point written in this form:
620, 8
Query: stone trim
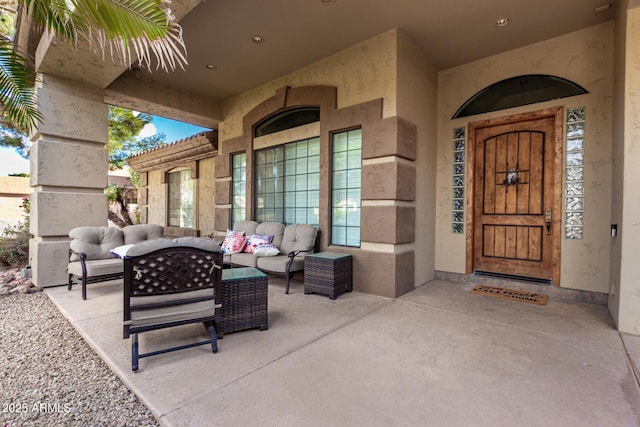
197, 147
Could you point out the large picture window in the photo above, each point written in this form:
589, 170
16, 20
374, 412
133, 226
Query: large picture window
180, 198
288, 183
239, 190
346, 188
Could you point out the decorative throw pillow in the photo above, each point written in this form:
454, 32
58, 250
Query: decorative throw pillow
266, 249
225, 242
256, 239
235, 244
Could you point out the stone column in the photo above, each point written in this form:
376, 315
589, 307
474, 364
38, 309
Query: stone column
68, 172
629, 230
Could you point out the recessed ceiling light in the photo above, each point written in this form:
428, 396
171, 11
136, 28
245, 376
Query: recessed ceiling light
327, 1
257, 39
503, 22
602, 8
210, 67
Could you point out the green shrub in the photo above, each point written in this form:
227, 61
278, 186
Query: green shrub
14, 241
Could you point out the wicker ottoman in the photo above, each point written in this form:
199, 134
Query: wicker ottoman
244, 300
327, 273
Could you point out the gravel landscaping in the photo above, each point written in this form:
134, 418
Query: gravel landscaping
50, 377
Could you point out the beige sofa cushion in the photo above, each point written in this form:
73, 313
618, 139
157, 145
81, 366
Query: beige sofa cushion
141, 232
174, 313
97, 267
155, 244
298, 237
96, 242
244, 259
249, 227
273, 228
278, 264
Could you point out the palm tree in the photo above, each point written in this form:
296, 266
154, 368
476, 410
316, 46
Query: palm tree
126, 29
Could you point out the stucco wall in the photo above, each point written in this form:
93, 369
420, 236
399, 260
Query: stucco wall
361, 73
417, 102
625, 266
157, 199
12, 190
585, 57
206, 196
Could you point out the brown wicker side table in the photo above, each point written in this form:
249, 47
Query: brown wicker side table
244, 300
328, 273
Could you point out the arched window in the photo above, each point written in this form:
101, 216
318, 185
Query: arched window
287, 119
516, 91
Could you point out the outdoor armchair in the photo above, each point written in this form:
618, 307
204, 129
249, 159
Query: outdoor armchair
169, 283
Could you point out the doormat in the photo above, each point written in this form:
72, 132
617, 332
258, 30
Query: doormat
512, 294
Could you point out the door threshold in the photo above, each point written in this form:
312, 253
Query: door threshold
512, 277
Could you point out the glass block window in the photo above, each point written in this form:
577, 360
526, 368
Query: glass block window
180, 199
239, 187
574, 164
346, 188
457, 198
288, 183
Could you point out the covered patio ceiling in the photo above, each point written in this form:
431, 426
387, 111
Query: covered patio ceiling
225, 61
297, 33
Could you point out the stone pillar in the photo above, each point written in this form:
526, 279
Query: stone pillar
629, 230
68, 173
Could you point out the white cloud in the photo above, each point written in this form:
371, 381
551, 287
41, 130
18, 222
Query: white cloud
12, 162
148, 130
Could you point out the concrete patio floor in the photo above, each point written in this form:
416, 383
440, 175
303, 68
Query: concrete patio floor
437, 356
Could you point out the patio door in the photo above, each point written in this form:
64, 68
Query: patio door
516, 195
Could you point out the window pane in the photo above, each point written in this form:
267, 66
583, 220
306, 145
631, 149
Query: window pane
339, 179
239, 187
340, 142
314, 181
340, 161
180, 206
314, 146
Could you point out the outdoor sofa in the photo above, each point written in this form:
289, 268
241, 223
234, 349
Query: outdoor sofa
291, 244
90, 256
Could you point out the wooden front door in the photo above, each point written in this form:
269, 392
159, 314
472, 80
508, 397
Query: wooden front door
516, 197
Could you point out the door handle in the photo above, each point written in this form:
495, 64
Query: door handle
547, 217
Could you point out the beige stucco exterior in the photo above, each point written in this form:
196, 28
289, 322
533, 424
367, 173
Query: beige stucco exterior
624, 296
12, 190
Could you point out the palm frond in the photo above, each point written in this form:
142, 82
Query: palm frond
119, 28
16, 90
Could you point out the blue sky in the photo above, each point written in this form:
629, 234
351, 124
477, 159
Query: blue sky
12, 162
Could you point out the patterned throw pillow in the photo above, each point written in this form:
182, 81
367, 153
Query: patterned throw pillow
230, 234
266, 249
256, 239
235, 244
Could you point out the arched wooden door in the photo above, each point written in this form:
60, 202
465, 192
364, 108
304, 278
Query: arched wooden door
516, 195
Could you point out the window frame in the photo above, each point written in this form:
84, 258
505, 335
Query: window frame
332, 190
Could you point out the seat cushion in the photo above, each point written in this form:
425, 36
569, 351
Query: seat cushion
244, 259
97, 267
141, 232
173, 313
96, 242
278, 264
